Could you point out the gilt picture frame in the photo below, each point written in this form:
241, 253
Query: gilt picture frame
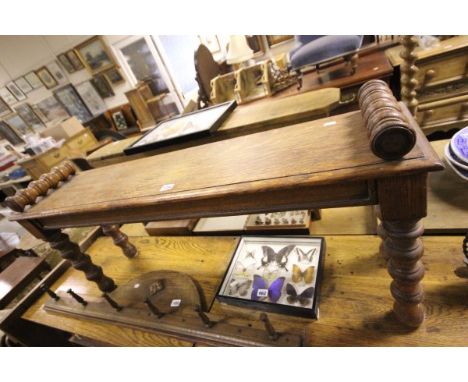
6, 95
74, 59
28, 115
95, 55
102, 85
33, 80
114, 76
16, 91
46, 77
278, 39
5, 109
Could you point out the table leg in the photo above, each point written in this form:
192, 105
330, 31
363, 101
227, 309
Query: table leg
120, 240
71, 251
402, 205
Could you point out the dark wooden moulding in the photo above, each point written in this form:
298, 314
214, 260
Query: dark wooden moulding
390, 134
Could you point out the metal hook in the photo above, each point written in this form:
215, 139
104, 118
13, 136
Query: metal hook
272, 333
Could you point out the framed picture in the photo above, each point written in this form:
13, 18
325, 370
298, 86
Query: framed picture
74, 60
52, 109
278, 39
119, 120
276, 274
65, 62
15, 121
12, 136
33, 80
113, 76
211, 42
24, 85
91, 98
56, 72
46, 77
72, 102
15, 90
95, 55
29, 116
4, 108
184, 127
255, 43
6, 95
102, 86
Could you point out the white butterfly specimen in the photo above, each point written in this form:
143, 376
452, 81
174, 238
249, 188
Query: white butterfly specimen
240, 287
305, 256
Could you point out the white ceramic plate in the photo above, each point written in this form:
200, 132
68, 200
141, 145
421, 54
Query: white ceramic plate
459, 145
458, 171
452, 158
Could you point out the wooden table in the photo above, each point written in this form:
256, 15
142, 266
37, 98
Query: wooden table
265, 114
354, 301
322, 163
371, 66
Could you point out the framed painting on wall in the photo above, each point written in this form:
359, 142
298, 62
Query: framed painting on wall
10, 134
91, 98
52, 109
278, 39
29, 116
46, 77
7, 96
72, 102
15, 90
95, 55
15, 121
74, 60
65, 62
113, 75
255, 43
102, 85
5, 109
33, 80
56, 72
24, 85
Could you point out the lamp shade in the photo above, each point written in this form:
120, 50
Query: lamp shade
239, 51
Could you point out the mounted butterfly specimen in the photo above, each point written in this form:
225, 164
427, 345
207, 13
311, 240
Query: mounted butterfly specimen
305, 256
250, 254
280, 257
302, 298
261, 291
240, 287
307, 274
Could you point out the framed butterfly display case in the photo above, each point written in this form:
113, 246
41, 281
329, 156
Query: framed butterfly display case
276, 274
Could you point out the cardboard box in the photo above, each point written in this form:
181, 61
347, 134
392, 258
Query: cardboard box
63, 130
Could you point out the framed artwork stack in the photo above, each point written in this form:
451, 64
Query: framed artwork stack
275, 274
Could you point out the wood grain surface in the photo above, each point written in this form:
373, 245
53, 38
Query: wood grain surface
262, 115
236, 171
355, 301
447, 199
205, 259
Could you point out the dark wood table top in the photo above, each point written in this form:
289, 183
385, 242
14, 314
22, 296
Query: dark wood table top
370, 66
232, 176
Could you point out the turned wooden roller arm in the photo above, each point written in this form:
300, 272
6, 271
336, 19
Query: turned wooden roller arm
390, 134
40, 187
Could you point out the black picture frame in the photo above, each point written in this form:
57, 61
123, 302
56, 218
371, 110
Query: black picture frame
294, 310
220, 113
102, 86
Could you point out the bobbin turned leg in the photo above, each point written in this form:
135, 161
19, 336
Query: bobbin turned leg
71, 251
120, 240
402, 205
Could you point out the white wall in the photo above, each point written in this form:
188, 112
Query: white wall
21, 54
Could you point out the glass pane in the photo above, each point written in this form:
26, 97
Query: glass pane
143, 65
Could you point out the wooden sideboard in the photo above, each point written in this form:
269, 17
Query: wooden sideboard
78, 144
442, 84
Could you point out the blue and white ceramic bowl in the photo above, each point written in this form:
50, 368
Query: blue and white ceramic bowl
456, 164
459, 145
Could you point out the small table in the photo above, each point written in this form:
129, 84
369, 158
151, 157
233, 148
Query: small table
316, 164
